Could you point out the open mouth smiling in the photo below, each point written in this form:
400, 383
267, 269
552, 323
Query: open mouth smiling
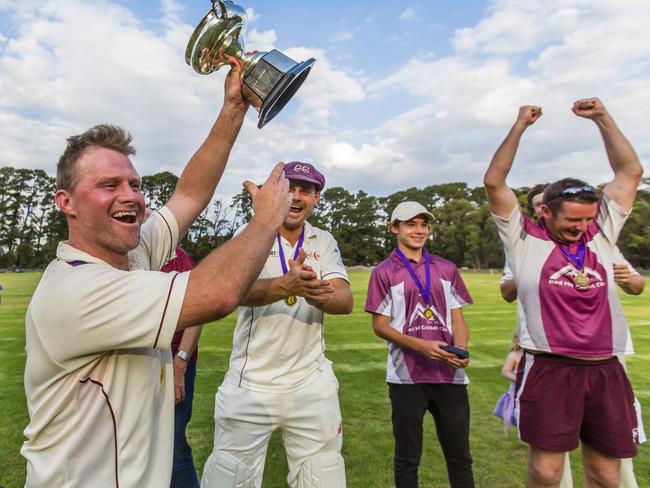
126, 216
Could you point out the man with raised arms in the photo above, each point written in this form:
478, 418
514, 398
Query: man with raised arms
279, 377
626, 277
98, 377
574, 326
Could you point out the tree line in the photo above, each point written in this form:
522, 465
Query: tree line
463, 231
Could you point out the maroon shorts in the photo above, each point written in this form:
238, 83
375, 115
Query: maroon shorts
560, 400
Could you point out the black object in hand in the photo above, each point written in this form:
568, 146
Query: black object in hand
461, 353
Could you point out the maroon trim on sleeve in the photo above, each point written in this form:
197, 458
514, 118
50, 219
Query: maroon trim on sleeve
110, 409
340, 275
162, 319
171, 235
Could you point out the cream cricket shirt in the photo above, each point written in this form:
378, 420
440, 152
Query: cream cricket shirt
279, 348
98, 377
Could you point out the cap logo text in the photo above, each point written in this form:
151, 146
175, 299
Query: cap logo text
301, 168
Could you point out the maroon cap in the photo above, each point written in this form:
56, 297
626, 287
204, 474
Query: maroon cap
297, 170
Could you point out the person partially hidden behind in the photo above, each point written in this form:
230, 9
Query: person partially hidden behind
185, 353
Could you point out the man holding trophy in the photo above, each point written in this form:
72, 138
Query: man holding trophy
99, 327
98, 375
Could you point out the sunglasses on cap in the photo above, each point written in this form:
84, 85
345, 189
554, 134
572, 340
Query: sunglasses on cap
572, 192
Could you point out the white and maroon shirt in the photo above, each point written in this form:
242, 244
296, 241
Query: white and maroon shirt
393, 293
558, 316
521, 319
279, 348
98, 378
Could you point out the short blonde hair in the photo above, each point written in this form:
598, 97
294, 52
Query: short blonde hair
102, 135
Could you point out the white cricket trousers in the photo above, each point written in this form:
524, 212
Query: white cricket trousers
309, 418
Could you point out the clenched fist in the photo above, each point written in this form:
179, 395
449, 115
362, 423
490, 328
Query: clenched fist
528, 114
589, 108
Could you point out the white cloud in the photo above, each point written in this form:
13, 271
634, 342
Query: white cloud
434, 119
252, 16
325, 87
518, 27
260, 40
577, 50
409, 14
171, 9
343, 36
63, 71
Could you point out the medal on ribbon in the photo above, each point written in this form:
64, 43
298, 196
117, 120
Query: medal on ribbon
291, 300
581, 279
425, 290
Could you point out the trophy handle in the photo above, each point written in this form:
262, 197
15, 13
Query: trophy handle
222, 6
218, 36
221, 10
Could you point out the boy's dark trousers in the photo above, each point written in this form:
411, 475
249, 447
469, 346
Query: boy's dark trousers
449, 406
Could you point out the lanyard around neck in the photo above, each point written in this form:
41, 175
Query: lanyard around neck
577, 261
283, 261
424, 291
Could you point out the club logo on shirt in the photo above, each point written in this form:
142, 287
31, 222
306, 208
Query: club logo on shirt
430, 315
569, 276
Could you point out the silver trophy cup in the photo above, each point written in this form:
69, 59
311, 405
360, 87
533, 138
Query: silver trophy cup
269, 79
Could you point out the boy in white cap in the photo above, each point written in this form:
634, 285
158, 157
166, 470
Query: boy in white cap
416, 302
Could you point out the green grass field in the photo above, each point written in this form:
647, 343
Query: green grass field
359, 361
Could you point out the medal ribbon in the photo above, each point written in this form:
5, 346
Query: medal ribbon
283, 262
425, 292
577, 261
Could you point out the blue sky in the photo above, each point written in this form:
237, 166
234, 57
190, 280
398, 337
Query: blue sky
402, 94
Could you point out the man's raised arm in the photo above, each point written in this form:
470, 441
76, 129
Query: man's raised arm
201, 175
500, 197
222, 279
624, 161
